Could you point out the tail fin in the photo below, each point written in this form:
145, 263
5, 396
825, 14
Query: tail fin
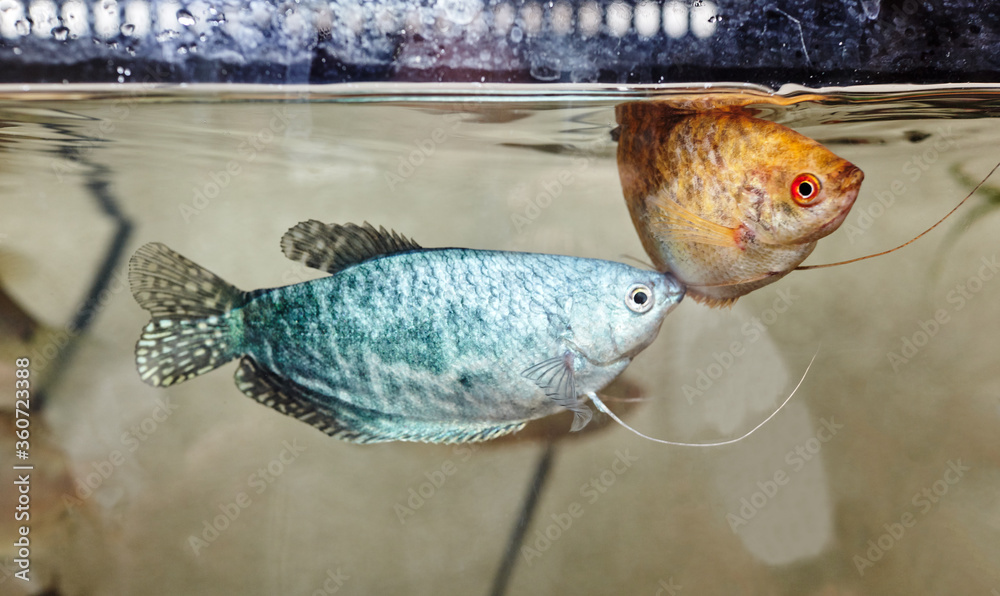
191, 332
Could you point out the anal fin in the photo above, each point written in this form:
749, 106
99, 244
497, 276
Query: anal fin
352, 423
286, 397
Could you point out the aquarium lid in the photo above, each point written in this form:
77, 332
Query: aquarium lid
805, 42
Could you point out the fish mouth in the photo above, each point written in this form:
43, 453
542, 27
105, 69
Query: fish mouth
674, 290
851, 177
831, 226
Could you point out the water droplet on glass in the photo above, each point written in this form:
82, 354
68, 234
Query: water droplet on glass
182, 50
516, 35
121, 79
120, 69
60, 33
22, 27
17, 51
128, 29
185, 18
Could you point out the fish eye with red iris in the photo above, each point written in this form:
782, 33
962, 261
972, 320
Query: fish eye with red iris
805, 188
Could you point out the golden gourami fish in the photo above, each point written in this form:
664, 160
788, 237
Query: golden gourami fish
727, 202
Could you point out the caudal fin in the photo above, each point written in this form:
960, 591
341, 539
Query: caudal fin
191, 331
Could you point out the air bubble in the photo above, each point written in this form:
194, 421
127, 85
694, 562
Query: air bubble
61, 33
544, 72
516, 34
185, 18
128, 29
461, 12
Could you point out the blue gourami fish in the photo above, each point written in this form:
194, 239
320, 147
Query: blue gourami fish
402, 343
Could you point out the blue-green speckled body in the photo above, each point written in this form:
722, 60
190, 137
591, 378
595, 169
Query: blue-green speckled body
402, 342
443, 336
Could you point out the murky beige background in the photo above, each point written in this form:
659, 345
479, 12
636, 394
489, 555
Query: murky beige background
791, 510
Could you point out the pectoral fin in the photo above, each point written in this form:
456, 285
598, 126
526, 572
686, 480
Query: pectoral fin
670, 218
555, 378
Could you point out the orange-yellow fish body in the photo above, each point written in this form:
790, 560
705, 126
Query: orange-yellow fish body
728, 202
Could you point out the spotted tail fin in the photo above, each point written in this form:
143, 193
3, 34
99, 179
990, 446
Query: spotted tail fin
191, 331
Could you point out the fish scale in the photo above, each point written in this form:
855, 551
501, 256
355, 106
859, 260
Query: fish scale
405, 343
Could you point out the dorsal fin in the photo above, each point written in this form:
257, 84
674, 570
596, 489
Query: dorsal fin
334, 247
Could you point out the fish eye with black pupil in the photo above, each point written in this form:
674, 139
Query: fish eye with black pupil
805, 188
639, 299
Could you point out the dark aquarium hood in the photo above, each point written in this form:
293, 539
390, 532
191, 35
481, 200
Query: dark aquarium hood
806, 42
